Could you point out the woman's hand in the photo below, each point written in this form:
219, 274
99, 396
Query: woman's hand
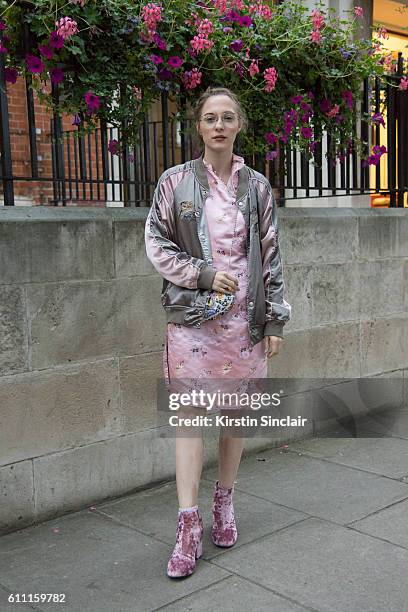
224, 282
272, 345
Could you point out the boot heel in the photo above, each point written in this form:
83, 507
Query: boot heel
199, 549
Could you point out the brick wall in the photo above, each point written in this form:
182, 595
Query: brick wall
41, 191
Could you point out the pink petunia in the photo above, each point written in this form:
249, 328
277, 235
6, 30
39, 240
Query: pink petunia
358, 11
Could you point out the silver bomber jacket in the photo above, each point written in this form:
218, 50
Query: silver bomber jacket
178, 245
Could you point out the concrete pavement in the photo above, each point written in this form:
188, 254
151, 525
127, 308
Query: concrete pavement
322, 526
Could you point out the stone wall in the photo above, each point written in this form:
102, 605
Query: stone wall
81, 337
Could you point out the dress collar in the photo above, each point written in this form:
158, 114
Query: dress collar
201, 173
237, 163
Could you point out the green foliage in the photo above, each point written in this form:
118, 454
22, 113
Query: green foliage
110, 56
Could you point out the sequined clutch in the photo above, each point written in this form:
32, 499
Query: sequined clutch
217, 304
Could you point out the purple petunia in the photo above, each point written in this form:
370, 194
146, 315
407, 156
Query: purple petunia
175, 61
56, 41
296, 99
236, 45
76, 120
245, 21
379, 150
159, 42
113, 147
92, 101
324, 105
156, 59
239, 69
346, 54
46, 51
347, 96
34, 64
271, 155
164, 74
231, 16
306, 132
10, 75
377, 118
56, 75
271, 138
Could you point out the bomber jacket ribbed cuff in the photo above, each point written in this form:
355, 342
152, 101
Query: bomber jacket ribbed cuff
206, 277
273, 328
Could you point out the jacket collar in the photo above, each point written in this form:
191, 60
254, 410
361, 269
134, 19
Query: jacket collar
201, 175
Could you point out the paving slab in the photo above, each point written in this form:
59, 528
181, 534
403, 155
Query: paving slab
154, 513
233, 594
385, 456
389, 524
389, 423
326, 566
315, 486
100, 565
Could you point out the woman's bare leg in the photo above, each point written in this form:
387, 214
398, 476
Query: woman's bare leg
189, 460
229, 457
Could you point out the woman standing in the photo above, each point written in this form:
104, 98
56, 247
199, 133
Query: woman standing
212, 226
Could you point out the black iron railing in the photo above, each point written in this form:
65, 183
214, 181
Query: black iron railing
83, 169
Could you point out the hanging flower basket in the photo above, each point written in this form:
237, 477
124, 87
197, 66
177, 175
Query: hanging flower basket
298, 72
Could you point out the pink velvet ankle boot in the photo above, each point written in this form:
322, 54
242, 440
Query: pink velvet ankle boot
189, 545
224, 530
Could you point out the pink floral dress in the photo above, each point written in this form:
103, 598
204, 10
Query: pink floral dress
220, 349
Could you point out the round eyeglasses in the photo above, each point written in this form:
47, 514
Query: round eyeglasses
226, 118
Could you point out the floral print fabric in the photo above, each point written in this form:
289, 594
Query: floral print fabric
221, 348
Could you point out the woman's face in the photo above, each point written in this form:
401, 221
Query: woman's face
219, 123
